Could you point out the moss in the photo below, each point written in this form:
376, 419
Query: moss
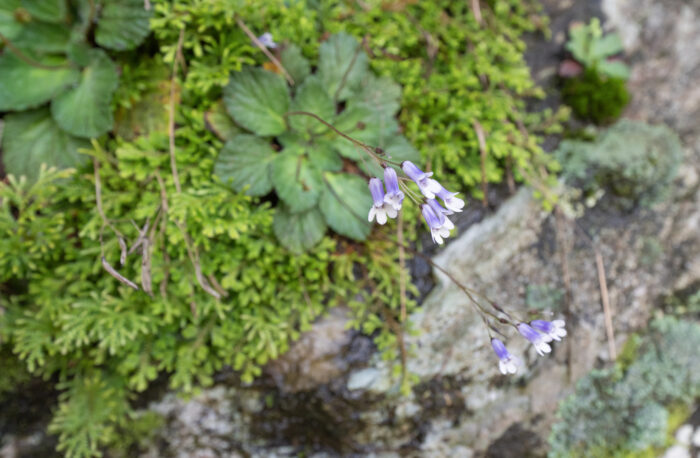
595, 97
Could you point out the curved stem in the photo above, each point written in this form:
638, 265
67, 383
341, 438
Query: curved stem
26, 59
370, 150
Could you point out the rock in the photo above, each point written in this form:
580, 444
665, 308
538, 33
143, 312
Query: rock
362, 379
684, 434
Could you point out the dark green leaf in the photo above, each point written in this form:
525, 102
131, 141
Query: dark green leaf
32, 138
323, 155
397, 149
342, 65
245, 162
297, 182
312, 98
9, 26
43, 37
123, 24
25, 86
295, 63
345, 204
257, 100
86, 111
381, 95
47, 10
299, 231
370, 127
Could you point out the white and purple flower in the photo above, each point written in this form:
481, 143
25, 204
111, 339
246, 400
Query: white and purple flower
380, 209
394, 196
452, 203
439, 224
266, 40
539, 341
427, 185
554, 329
507, 363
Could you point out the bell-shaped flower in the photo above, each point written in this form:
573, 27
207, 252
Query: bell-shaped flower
439, 224
266, 40
451, 202
554, 329
379, 209
427, 185
394, 196
507, 363
539, 341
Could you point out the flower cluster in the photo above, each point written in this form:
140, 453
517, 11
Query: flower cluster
388, 205
539, 332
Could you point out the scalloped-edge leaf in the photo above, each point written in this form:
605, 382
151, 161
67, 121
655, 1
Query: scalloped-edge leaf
31, 138
47, 10
244, 162
298, 232
123, 24
258, 100
295, 63
86, 111
345, 204
25, 86
297, 182
341, 65
220, 123
312, 98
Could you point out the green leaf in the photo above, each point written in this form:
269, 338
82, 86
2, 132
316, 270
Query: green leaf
297, 182
606, 46
379, 94
244, 161
345, 204
312, 98
361, 123
123, 24
295, 63
43, 37
257, 100
25, 86
342, 65
298, 231
9, 26
219, 122
47, 10
86, 111
614, 69
323, 155
32, 138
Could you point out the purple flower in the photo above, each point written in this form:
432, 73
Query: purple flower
539, 340
554, 329
439, 210
266, 40
507, 363
394, 196
440, 225
379, 209
451, 202
427, 185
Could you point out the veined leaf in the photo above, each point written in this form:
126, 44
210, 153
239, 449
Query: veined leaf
295, 63
123, 24
43, 37
32, 138
257, 100
245, 161
299, 231
25, 86
47, 10
297, 182
341, 65
219, 122
9, 26
86, 111
312, 98
345, 204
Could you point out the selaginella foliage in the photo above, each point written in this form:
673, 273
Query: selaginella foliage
661, 372
215, 288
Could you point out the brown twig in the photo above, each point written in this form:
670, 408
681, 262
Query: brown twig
476, 9
563, 245
171, 116
264, 49
147, 5
481, 137
607, 312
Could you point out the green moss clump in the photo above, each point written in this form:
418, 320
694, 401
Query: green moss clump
595, 97
663, 375
634, 161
